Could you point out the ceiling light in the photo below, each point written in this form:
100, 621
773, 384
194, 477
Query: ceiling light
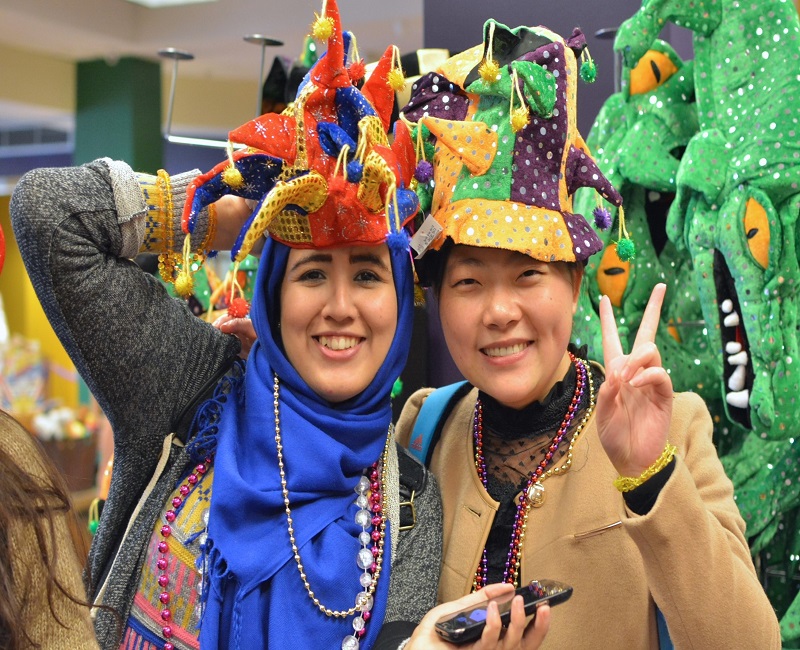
157, 4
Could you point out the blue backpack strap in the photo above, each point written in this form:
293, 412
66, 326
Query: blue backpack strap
664, 642
430, 420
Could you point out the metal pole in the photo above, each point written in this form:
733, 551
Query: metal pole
175, 55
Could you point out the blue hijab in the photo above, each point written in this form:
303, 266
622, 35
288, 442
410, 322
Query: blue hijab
256, 598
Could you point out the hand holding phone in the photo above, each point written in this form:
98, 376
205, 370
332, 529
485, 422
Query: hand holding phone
467, 624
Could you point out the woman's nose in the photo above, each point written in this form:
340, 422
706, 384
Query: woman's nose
502, 308
339, 305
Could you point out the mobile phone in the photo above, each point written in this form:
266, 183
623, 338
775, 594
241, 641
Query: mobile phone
467, 625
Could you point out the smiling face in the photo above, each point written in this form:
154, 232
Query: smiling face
338, 317
507, 320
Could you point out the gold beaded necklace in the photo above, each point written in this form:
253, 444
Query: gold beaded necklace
537, 494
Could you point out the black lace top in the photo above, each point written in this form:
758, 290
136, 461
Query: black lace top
514, 442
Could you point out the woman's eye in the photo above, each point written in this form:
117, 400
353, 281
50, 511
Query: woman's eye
463, 282
311, 276
367, 276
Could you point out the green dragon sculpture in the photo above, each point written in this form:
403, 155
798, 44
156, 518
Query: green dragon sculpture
735, 212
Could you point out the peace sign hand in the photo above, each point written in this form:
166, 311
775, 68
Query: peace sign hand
634, 406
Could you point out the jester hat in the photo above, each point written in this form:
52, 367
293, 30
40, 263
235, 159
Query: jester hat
322, 172
498, 123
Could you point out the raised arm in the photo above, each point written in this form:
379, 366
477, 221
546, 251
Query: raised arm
144, 356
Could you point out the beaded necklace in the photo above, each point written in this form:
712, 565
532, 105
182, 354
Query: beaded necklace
163, 549
370, 516
533, 494
370, 513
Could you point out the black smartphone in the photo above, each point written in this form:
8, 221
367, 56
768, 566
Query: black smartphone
467, 625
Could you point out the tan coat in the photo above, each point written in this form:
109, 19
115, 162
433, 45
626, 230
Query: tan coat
75, 630
688, 553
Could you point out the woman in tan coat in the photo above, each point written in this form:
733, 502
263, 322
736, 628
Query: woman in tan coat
550, 465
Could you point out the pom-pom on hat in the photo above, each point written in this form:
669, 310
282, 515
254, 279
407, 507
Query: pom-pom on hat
322, 172
500, 129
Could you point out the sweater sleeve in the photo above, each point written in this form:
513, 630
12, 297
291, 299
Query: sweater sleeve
144, 356
415, 572
695, 554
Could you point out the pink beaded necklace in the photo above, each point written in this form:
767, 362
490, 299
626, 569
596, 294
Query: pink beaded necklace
511, 572
163, 549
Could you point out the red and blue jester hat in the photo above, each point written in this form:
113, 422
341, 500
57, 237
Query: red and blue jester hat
322, 172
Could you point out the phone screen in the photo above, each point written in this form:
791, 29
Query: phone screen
468, 623
478, 614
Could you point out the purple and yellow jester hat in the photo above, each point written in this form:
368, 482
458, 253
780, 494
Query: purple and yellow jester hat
498, 123
322, 172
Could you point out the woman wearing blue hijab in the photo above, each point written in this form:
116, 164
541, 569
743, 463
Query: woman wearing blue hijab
271, 512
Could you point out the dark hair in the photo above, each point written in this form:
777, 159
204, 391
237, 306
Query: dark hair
430, 268
34, 502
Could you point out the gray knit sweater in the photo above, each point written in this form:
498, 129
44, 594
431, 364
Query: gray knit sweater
150, 363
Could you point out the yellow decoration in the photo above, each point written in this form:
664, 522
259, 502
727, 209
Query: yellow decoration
628, 483
167, 258
419, 296
322, 28
376, 174
519, 118
396, 77
397, 80
184, 284
489, 70
232, 177
309, 192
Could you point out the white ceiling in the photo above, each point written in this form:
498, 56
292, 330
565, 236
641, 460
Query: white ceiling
213, 32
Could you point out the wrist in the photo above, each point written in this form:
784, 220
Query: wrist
232, 213
628, 483
165, 196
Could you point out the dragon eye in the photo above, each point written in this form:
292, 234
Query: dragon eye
652, 71
613, 275
756, 229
